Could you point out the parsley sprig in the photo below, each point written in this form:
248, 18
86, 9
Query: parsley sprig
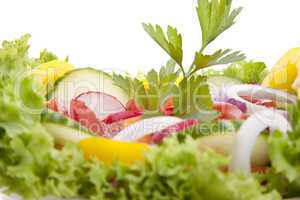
215, 16
190, 96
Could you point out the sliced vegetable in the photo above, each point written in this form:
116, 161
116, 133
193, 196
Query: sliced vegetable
49, 72
62, 128
241, 105
116, 117
223, 144
261, 102
110, 151
237, 92
219, 84
131, 105
112, 129
248, 134
101, 104
52, 105
84, 80
159, 136
284, 75
145, 127
86, 117
228, 111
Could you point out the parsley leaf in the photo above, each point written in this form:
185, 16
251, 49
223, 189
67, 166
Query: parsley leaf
220, 57
215, 17
125, 82
157, 87
194, 96
170, 42
149, 92
190, 96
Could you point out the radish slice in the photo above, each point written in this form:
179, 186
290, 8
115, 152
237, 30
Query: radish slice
255, 91
116, 117
145, 127
248, 134
101, 103
158, 137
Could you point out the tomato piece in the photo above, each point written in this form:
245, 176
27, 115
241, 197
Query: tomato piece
268, 103
133, 106
261, 102
86, 117
168, 107
121, 116
52, 104
228, 111
158, 137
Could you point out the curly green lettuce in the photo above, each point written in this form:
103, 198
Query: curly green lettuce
285, 157
246, 71
31, 166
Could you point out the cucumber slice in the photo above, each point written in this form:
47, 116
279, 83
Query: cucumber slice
62, 128
83, 80
219, 84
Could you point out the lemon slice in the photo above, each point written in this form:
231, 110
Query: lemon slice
284, 74
49, 72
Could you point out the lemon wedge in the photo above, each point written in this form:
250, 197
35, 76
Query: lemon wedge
284, 74
49, 72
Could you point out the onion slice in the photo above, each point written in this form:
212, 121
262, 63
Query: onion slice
146, 126
235, 92
248, 134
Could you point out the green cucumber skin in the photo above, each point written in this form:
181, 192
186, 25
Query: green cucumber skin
51, 92
50, 117
91, 80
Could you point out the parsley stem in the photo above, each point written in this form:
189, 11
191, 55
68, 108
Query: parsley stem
182, 69
193, 72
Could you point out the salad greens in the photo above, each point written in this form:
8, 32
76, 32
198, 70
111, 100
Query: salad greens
189, 95
219, 127
245, 71
32, 167
285, 154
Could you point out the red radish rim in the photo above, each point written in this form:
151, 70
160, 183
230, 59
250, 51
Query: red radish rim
89, 92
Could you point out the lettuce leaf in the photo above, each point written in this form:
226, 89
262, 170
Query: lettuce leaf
176, 173
32, 167
246, 71
285, 157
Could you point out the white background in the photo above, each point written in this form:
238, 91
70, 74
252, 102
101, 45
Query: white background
108, 33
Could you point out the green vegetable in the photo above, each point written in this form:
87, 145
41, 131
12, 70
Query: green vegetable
224, 144
247, 72
83, 80
215, 17
285, 157
190, 96
31, 167
219, 127
171, 42
46, 56
63, 129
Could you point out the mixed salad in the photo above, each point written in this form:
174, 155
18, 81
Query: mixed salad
174, 133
